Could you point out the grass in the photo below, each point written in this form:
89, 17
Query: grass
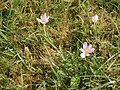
33, 60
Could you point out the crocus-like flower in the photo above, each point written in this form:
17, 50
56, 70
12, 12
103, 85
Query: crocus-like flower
95, 18
43, 19
86, 50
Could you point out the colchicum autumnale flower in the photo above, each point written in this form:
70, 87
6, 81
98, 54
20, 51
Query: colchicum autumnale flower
43, 19
86, 50
95, 18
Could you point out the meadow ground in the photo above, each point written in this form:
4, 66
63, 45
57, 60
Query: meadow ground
34, 57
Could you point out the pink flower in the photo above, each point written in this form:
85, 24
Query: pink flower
43, 19
86, 50
95, 18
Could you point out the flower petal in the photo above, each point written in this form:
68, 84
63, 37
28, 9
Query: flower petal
48, 17
85, 45
82, 55
90, 46
39, 20
91, 50
41, 17
44, 15
87, 54
82, 50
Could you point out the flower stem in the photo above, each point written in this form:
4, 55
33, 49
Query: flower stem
95, 30
44, 29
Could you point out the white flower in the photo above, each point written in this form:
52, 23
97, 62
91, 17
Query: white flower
86, 50
43, 19
95, 18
